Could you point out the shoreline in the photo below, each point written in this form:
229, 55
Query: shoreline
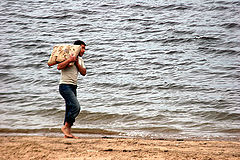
54, 147
99, 133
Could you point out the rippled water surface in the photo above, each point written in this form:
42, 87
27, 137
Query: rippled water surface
155, 68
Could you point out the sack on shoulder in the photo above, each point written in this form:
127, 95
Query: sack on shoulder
62, 52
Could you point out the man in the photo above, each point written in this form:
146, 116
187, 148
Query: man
68, 86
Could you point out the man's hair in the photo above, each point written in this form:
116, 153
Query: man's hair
78, 42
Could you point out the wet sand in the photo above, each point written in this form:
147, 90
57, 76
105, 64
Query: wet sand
58, 148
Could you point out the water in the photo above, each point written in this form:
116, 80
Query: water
155, 68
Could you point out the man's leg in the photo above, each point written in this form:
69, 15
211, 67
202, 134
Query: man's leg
68, 92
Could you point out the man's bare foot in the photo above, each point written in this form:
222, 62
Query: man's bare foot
66, 131
68, 136
74, 137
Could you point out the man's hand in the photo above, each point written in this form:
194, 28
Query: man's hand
65, 63
72, 58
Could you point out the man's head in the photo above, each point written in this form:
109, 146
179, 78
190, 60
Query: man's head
82, 44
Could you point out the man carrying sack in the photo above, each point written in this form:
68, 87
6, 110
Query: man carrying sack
70, 67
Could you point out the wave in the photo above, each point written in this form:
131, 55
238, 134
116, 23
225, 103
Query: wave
163, 130
230, 25
58, 130
235, 131
218, 115
159, 7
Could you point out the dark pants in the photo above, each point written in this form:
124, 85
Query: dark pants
69, 93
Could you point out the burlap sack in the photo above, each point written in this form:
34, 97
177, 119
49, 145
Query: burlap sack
62, 52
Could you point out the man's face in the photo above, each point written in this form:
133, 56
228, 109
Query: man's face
82, 50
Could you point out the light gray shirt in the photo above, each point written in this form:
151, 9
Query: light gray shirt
69, 75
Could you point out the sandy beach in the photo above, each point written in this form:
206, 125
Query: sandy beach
37, 147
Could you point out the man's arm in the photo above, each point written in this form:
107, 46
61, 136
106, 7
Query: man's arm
65, 63
51, 64
81, 69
